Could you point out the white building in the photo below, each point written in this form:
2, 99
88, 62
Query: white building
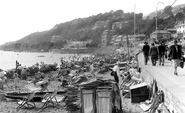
180, 27
76, 44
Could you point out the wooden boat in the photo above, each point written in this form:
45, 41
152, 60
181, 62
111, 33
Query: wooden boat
38, 95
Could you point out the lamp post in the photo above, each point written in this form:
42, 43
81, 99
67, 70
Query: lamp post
134, 27
156, 15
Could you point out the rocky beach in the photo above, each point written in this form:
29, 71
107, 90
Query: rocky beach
56, 75
9, 106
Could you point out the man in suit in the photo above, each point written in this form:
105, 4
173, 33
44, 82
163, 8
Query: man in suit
145, 50
154, 54
162, 52
175, 54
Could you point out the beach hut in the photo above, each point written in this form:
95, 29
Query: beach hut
100, 96
88, 100
104, 95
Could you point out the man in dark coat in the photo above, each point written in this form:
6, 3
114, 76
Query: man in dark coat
145, 50
154, 54
162, 52
175, 54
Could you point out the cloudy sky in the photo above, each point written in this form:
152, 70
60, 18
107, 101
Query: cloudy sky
22, 17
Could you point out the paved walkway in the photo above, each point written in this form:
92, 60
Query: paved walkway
165, 76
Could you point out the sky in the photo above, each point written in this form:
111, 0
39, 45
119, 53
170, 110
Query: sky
19, 18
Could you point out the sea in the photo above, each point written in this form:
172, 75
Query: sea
8, 58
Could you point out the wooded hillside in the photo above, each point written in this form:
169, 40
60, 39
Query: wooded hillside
89, 29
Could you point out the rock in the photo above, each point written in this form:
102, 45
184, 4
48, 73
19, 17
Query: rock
1, 85
2, 98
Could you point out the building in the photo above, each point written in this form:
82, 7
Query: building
56, 38
116, 25
180, 27
174, 33
104, 38
160, 35
117, 40
76, 44
138, 37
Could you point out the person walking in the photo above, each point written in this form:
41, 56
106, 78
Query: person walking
175, 53
162, 52
154, 54
145, 50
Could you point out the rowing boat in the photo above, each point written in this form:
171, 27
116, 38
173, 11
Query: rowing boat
37, 98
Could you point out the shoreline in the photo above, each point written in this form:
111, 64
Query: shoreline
29, 58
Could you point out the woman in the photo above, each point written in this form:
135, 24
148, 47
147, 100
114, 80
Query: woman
16, 80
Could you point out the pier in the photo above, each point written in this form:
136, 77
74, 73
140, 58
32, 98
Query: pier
172, 85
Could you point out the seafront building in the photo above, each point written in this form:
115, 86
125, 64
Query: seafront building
76, 44
180, 27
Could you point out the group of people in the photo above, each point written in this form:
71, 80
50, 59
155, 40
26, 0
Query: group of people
174, 53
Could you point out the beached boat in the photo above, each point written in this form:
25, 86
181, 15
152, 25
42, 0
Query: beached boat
37, 98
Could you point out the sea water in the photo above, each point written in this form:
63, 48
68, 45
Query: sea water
8, 58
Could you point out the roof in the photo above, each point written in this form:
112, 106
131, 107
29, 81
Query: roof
171, 29
138, 35
138, 85
161, 31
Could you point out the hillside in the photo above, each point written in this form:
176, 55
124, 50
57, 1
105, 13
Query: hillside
88, 29
175, 10
91, 29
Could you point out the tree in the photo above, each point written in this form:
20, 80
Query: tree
168, 10
179, 16
17, 46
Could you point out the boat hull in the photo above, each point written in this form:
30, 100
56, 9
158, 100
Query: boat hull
37, 98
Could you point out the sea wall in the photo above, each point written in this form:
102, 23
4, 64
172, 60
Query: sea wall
171, 102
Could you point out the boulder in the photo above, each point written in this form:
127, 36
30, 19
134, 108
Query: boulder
2, 97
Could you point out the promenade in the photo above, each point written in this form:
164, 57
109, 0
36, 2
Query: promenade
172, 85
